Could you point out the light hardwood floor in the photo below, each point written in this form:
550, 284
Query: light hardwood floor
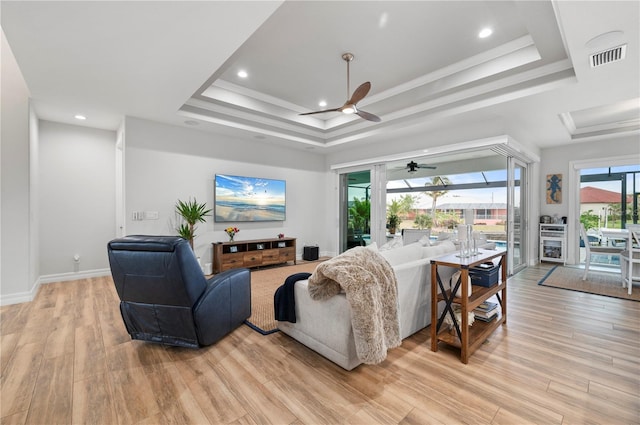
562, 358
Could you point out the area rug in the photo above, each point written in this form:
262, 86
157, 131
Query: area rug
599, 283
264, 283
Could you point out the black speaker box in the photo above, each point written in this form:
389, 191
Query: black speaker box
310, 253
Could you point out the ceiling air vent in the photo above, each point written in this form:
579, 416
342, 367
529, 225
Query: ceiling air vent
608, 56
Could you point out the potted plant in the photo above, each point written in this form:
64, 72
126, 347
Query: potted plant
392, 221
191, 212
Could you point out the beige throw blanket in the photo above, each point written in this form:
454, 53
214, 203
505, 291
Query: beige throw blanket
371, 289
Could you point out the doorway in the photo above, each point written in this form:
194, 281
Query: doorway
617, 175
517, 216
355, 209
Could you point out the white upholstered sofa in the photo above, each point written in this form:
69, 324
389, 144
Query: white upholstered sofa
325, 326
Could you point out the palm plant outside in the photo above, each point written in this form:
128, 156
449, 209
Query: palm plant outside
192, 213
435, 194
360, 213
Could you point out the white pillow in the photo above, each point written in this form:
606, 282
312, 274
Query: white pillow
373, 246
442, 248
443, 236
480, 236
425, 241
392, 244
404, 254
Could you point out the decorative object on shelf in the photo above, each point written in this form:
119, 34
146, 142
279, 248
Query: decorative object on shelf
231, 231
191, 213
280, 235
468, 245
457, 311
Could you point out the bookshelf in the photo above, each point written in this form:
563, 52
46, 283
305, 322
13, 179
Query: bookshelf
467, 338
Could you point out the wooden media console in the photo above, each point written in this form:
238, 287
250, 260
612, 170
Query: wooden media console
253, 253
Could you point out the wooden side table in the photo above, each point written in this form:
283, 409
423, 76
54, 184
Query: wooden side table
467, 338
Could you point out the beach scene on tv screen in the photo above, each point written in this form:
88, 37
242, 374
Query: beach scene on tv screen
239, 198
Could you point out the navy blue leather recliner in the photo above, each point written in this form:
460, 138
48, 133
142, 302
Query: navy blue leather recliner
165, 298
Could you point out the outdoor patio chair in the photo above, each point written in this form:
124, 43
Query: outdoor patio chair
594, 249
630, 258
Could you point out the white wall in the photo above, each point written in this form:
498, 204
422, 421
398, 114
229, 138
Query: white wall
34, 194
17, 283
556, 160
77, 199
164, 163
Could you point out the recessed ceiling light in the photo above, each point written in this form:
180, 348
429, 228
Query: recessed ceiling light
242, 73
486, 32
322, 103
80, 117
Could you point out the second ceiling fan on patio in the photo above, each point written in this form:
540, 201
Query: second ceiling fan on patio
349, 106
413, 167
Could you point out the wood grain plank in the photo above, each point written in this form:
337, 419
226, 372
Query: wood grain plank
8, 344
53, 393
419, 416
90, 358
216, 399
92, 401
176, 401
601, 410
262, 405
132, 395
112, 327
19, 379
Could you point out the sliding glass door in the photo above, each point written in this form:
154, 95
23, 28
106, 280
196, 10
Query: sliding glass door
517, 216
355, 209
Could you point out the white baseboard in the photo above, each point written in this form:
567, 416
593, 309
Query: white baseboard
20, 297
23, 297
64, 277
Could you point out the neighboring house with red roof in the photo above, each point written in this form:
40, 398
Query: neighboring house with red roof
597, 200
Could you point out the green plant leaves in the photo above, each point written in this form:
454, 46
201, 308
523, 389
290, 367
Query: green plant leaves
191, 212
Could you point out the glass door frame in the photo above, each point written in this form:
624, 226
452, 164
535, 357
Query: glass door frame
523, 216
575, 167
377, 199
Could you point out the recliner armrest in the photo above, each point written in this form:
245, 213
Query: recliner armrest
224, 305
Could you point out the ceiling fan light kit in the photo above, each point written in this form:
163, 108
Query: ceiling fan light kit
349, 106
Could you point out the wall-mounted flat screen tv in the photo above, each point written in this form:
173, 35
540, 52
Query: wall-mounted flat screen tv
239, 198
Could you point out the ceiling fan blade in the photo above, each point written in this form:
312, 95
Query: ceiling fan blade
360, 93
320, 112
426, 166
368, 116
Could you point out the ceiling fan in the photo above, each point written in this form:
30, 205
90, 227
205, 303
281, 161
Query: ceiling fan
349, 106
413, 167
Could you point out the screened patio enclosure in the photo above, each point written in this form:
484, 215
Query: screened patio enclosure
438, 193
